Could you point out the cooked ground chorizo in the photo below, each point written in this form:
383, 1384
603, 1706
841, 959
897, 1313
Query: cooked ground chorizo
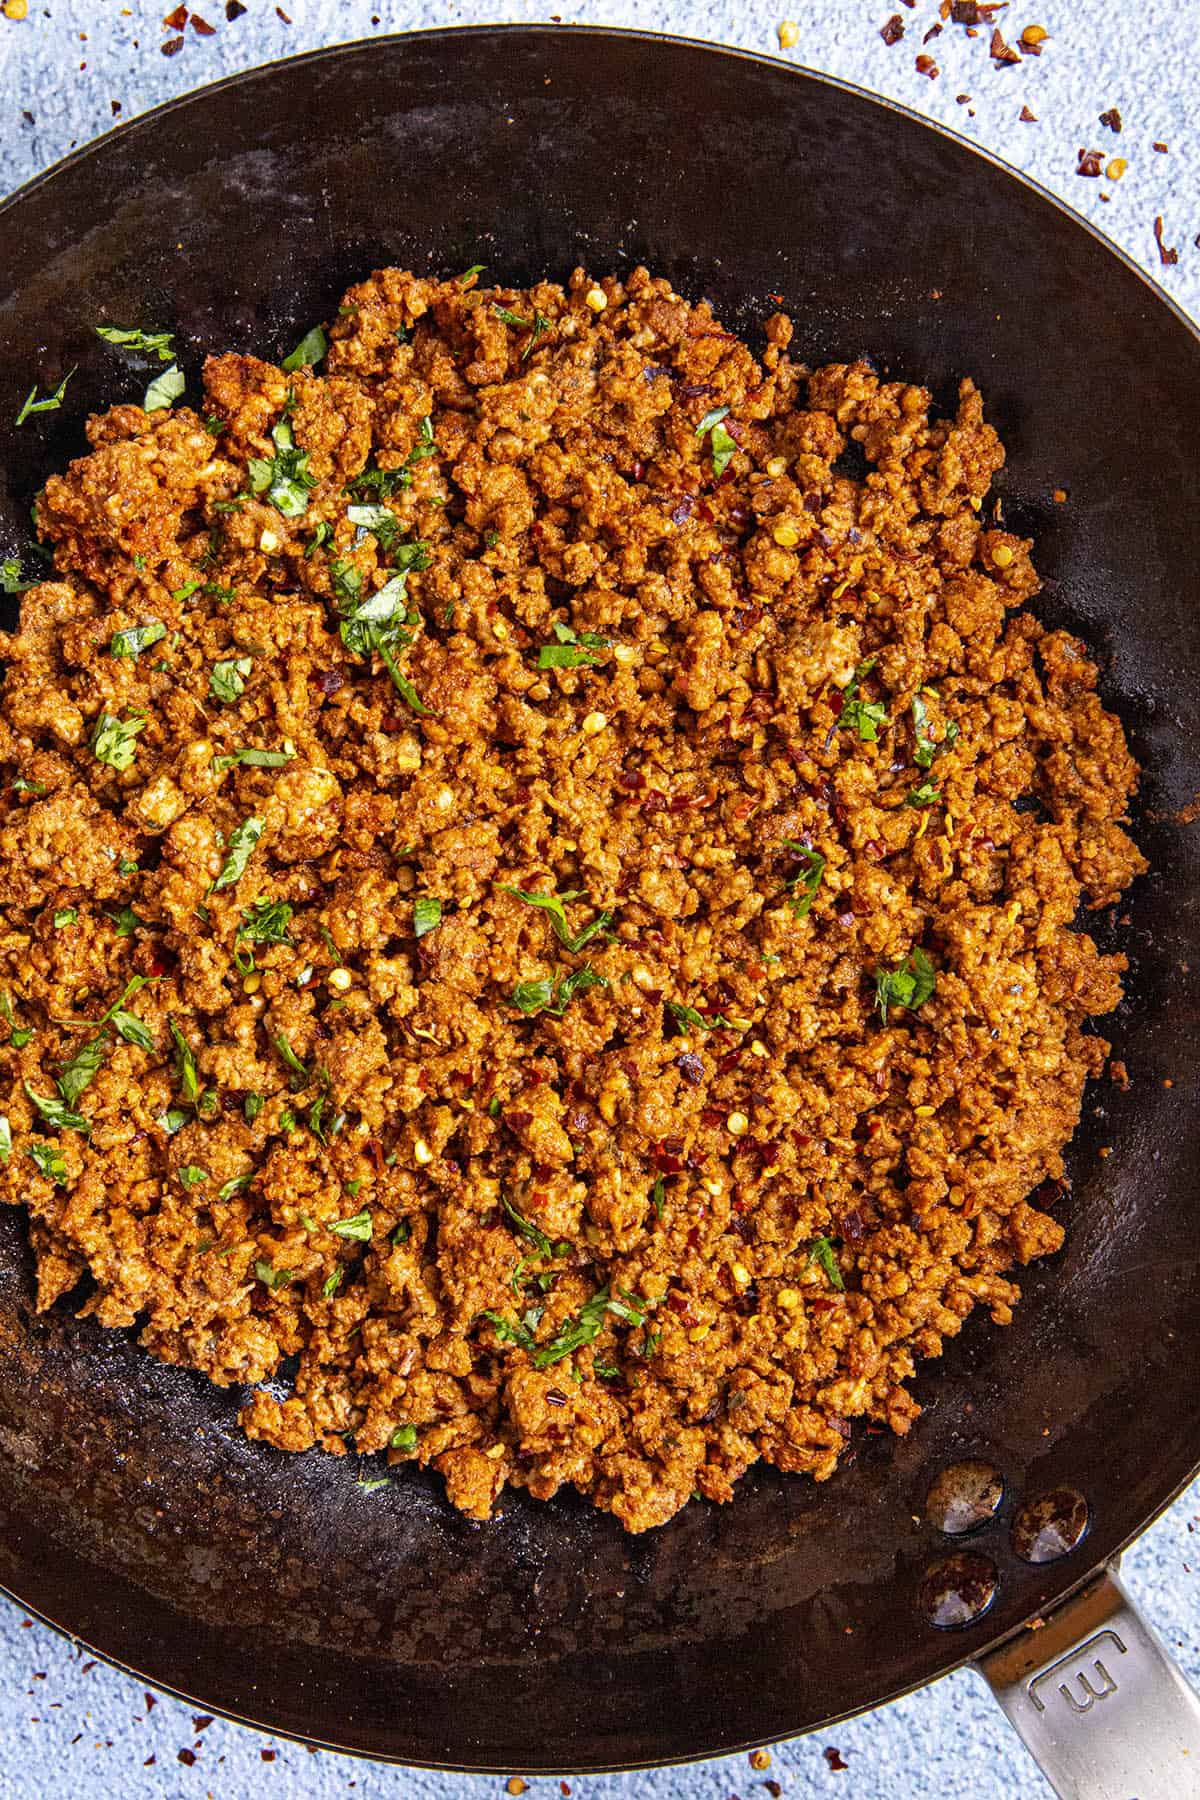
540, 867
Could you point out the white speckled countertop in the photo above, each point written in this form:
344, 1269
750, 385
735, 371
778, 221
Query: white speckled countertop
70, 69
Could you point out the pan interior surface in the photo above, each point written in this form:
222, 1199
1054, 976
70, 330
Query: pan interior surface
133, 1512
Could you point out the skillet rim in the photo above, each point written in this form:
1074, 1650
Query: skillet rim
1178, 1482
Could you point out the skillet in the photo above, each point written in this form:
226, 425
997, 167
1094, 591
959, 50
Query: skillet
274, 1588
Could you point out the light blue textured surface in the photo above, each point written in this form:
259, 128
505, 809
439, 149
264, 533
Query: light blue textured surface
80, 1728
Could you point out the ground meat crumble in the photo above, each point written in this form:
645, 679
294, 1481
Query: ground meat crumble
541, 858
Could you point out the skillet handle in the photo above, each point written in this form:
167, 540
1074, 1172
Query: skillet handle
1098, 1702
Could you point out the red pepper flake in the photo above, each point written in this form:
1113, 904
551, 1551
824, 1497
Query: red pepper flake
934, 31
777, 298
1166, 256
893, 31
1091, 162
1027, 117
201, 1721
927, 66
172, 47
201, 27
835, 1759
267, 1755
1161, 148
149, 1762
564, 1788
964, 12
175, 21
1111, 118
774, 1788
151, 1701
963, 99
1000, 52
116, 108
233, 10
187, 1758
280, 14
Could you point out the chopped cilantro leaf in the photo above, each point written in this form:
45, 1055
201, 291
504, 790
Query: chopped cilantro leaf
311, 349
114, 740
241, 843
271, 1277
227, 679
543, 995
50, 402
59, 1114
150, 343
427, 915
164, 390
359, 1227
284, 478
821, 1250
555, 905
49, 1160
802, 886
909, 985
136, 638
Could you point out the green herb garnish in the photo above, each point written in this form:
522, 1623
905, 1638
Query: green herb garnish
185, 1065
253, 758
228, 679
802, 886
136, 638
19, 1036
927, 747
126, 921
821, 1250
427, 915
151, 343
574, 649
585, 1328
191, 1176
359, 1227
544, 995
50, 403
289, 1058
273, 1278
164, 390
284, 479
721, 444
114, 740
241, 844
910, 985
688, 1019
265, 922
58, 1113
312, 348
404, 1437
49, 1160
863, 716
555, 905
66, 915
925, 795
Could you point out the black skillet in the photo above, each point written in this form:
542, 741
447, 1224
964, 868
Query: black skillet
273, 1588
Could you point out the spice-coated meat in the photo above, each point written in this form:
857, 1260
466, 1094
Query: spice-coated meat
539, 869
